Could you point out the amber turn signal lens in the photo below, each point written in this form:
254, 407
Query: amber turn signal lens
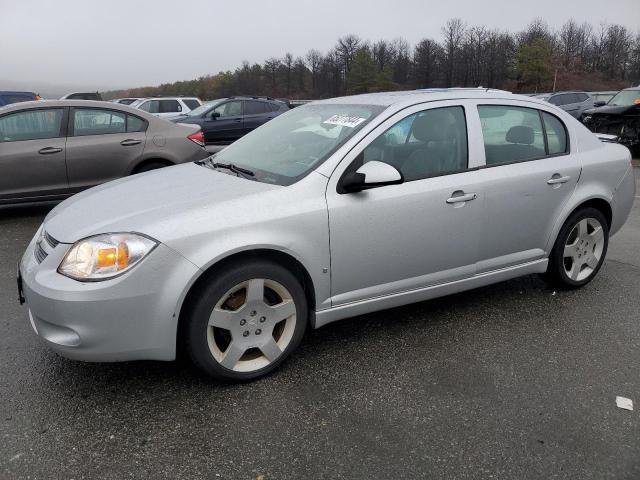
106, 257
123, 256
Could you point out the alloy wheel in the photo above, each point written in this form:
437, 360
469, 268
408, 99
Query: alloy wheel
583, 249
251, 325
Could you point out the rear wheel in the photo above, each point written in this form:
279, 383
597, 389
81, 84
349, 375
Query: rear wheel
580, 249
246, 321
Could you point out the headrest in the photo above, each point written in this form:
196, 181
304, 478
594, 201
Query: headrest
433, 126
520, 134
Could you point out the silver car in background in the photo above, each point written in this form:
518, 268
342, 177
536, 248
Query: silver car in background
333, 209
50, 150
574, 103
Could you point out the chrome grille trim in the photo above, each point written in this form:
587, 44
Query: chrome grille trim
53, 243
40, 253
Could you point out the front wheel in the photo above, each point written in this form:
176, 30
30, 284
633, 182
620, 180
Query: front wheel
580, 249
246, 321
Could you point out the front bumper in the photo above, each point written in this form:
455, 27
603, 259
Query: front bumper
131, 317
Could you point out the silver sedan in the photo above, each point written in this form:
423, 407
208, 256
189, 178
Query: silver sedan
334, 209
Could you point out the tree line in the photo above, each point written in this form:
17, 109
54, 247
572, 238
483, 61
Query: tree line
537, 59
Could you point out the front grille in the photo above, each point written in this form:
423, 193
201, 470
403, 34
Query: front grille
44, 245
53, 243
40, 253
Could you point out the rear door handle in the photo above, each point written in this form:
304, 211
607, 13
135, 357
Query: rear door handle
557, 179
459, 196
129, 142
49, 150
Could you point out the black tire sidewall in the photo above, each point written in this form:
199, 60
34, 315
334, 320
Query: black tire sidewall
557, 271
210, 293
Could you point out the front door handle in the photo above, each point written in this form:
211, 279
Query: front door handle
129, 142
558, 179
459, 196
49, 150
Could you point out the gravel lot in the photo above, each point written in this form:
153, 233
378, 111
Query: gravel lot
509, 381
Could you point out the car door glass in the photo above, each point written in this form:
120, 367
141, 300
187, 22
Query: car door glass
229, 109
97, 122
135, 124
152, 106
556, 134
253, 108
31, 125
425, 144
557, 100
170, 106
511, 134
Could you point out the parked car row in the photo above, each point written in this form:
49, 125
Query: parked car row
50, 150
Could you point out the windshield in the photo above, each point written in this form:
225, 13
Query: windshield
626, 98
290, 146
196, 112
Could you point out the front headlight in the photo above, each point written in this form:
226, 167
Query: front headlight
105, 256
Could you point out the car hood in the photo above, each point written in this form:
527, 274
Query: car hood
156, 203
610, 110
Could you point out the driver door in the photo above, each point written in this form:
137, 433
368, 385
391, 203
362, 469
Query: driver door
224, 124
397, 238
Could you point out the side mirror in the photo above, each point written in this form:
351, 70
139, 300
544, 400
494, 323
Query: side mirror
214, 115
599, 103
371, 175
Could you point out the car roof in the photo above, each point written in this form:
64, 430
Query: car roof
166, 98
75, 103
410, 97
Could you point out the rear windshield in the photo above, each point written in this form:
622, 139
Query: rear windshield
288, 147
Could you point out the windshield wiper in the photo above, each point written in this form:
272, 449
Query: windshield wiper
233, 168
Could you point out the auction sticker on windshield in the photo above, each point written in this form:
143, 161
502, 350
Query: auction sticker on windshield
344, 121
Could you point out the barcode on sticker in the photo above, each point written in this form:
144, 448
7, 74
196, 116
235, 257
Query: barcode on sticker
344, 121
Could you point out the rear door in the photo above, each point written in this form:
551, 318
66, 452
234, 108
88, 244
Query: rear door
224, 124
32, 154
102, 145
528, 178
255, 114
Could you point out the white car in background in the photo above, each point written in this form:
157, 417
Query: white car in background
167, 106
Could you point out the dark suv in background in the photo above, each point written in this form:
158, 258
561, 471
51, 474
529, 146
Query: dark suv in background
7, 97
574, 103
225, 120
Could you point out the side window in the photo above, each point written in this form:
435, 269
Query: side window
97, 122
135, 124
582, 97
555, 100
229, 109
511, 134
31, 125
556, 134
170, 106
272, 107
151, 106
253, 108
426, 144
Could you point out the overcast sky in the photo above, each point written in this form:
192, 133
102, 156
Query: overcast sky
126, 43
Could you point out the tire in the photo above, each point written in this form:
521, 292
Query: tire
234, 335
579, 250
147, 167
